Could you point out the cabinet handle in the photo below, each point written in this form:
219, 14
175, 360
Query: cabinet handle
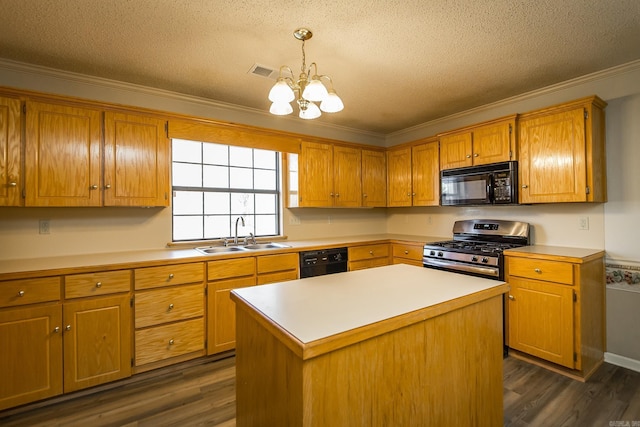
537, 270
475, 155
512, 298
468, 156
13, 184
330, 194
406, 252
171, 342
408, 194
68, 328
525, 186
170, 307
337, 194
171, 276
99, 285
364, 195
93, 187
370, 252
108, 186
413, 194
56, 329
20, 293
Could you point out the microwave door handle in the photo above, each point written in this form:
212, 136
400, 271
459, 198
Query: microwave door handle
490, 193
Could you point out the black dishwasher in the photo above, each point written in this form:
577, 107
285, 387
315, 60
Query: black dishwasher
325, 261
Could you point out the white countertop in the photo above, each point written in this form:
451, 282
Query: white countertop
318, 307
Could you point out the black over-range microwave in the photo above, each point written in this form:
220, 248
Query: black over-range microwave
492, 184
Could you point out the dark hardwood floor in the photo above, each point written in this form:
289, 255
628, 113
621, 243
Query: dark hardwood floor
204, 394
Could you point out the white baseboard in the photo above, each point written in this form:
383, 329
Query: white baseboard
625, 362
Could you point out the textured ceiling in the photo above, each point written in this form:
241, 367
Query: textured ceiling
395, 64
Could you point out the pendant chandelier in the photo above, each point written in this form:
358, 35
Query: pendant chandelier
308, 90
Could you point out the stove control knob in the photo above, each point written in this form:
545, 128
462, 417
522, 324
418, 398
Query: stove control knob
485, 259
440, 254
432, 253
474, 259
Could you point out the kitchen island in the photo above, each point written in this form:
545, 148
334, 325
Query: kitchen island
397, 345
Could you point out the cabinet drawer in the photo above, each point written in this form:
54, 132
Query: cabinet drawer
279, 276
163, 342
101, 283
408, 261
168, 305
407, 251
225, 269
282, 262
550, 271
368, 263
29, 291
358, 253
155, 277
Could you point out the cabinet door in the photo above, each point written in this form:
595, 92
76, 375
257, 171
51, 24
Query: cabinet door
10, 179
492, 143
31, 358
347, 176
136, 161
62, 155
399, 177
374, 179
426, 174
552, 158
97, 341
221, 328
455, 151
316, 175
541, 321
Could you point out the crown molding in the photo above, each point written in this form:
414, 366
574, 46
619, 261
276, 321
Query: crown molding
251, 115
608, 73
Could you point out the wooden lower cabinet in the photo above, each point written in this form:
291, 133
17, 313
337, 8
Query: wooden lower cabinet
404, 253
556, 309
277, 268
368, 256
97, 341
31, 358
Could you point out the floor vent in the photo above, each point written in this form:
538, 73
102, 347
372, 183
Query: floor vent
263, 71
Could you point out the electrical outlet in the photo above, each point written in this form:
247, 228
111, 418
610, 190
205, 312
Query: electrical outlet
583, 224
44, 226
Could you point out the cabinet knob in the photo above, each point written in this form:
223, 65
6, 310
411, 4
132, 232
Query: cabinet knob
408, 194
468, 156
94, 187
20, 293
512, 298
475, 155
364, 195
68, 328
330, 194
370, 252
337, 194
170, 307
525, 186
13, 184
406, 252
413, 194
108, 186
171, 342
537, 270
99, 285
56, 329
170, 276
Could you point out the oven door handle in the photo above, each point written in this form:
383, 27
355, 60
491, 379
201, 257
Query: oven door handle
458, 266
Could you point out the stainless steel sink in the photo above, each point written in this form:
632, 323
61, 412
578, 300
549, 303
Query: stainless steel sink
267, 245
210, 250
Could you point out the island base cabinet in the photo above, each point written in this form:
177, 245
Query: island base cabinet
397, 378
31, 358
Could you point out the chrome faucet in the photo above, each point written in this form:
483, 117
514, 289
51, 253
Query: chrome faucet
235, 239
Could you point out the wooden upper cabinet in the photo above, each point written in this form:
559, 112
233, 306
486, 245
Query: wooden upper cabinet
62, 155
10, 174
315, 165
347, 176
489, 142
425, 170
374, 178
399, 177
136, 161
562, 153
329, 175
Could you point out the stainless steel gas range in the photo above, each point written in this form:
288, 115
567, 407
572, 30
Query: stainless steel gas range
476, 248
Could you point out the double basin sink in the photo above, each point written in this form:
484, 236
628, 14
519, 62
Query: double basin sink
211, 250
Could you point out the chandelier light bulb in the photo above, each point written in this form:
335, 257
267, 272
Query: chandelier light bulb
281, 92
281, 108
310, 112
315, 90
332, 103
